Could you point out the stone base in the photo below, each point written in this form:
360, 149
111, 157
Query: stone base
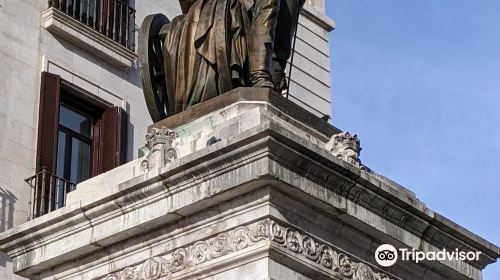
247, 191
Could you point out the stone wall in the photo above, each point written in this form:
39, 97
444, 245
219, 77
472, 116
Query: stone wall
20, 41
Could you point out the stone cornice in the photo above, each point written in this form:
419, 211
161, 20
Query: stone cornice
364, 189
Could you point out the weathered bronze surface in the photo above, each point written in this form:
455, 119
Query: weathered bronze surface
213, 47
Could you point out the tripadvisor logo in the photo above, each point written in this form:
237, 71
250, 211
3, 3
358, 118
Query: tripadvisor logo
387, 255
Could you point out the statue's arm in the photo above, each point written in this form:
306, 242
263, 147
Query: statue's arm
186, 5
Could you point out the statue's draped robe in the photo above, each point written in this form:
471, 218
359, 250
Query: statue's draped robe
208, 47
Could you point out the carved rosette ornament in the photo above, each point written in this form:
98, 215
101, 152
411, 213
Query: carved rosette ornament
195, 254
340, 264
337, 263
345, 146
159, 142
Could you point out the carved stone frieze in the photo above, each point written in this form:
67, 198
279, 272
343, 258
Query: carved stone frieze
340, 264
306, 246
345, 146
195, 254
160, 148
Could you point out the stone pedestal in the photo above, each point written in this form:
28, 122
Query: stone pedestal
244, 186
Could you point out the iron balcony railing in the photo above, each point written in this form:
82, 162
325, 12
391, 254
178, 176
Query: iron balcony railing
113, 18
48, 193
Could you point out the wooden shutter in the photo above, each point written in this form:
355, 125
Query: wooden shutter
96, 149
110, 139
48, 119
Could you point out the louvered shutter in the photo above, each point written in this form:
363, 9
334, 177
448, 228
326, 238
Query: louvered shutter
96, 149
48, 119
110, 139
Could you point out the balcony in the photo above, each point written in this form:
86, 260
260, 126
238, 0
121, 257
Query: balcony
48, 193
104, 27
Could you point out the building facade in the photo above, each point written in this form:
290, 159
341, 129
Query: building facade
71, 100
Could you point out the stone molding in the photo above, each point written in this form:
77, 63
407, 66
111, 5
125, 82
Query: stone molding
87, 38
304, 246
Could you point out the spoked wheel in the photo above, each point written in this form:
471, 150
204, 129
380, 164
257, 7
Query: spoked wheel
151, 66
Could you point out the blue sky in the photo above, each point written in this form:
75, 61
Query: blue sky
419, 82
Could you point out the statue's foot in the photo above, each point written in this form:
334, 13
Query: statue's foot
264, 84
279, 81
261, 79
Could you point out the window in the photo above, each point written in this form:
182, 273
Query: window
77, 139
73, 145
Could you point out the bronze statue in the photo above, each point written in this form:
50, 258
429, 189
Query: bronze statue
213, 47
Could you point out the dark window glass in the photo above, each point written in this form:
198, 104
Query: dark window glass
80, 161
75, 121
61, 154
60, 169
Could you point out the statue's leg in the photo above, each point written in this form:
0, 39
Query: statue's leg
285, 30
260, 42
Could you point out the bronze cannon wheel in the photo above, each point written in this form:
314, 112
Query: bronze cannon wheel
151, 65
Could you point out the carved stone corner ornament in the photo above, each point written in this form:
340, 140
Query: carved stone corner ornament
347, 147
159, 143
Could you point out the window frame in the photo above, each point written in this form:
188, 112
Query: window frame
70, 134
